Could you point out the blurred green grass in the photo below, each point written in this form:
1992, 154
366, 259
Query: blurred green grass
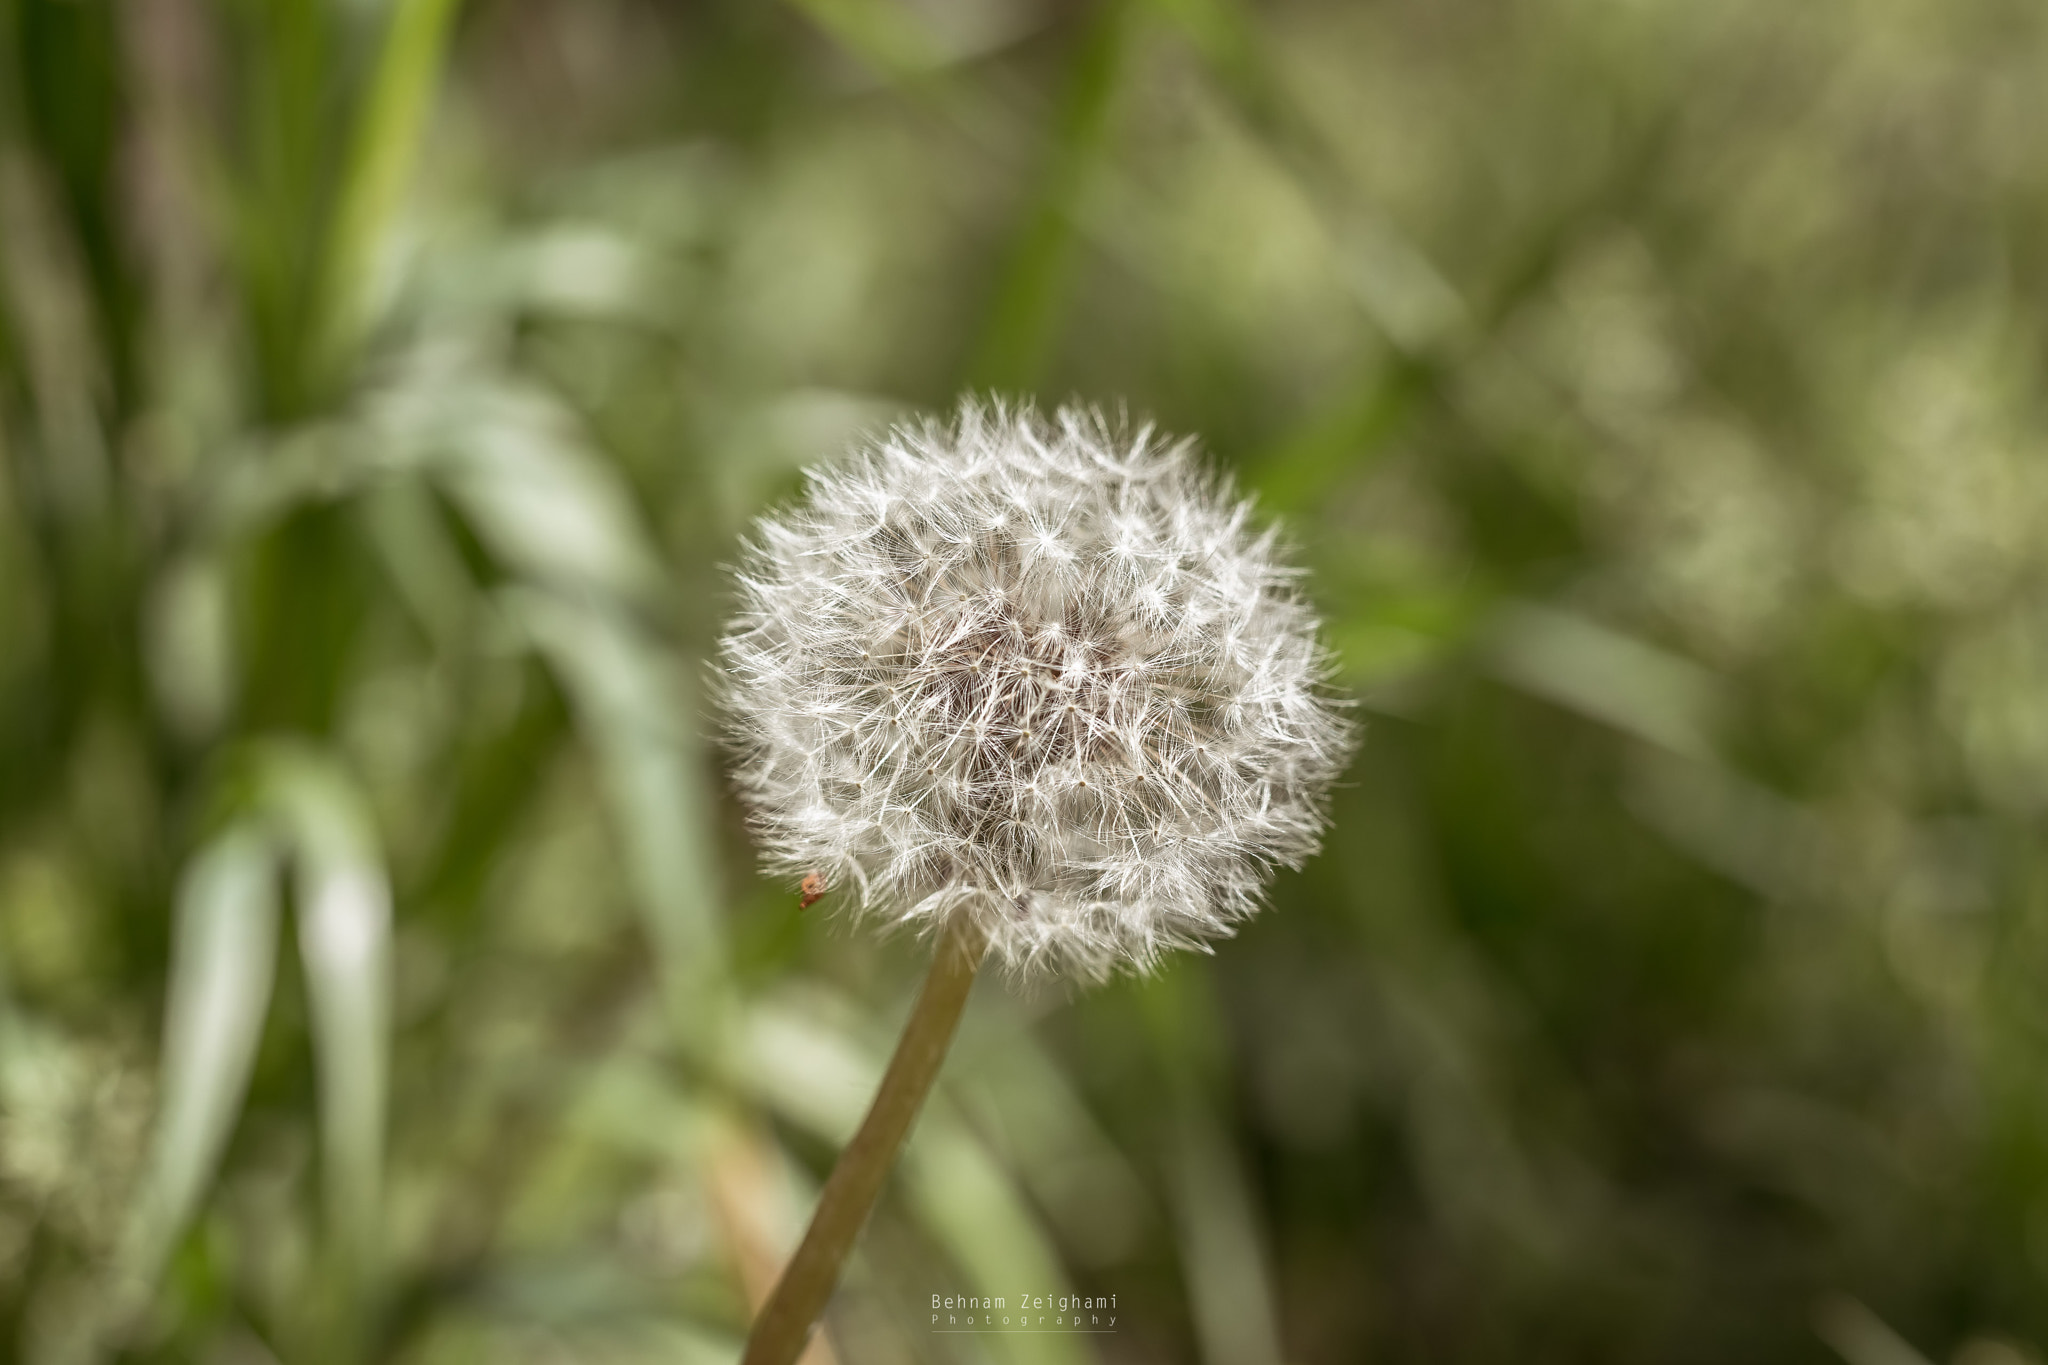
1654, 390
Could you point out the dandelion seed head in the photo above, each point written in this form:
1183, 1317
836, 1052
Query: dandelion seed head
1036, 671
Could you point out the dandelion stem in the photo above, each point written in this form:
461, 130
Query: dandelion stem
784, 1323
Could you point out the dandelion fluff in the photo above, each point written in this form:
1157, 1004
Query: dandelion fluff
1033, 671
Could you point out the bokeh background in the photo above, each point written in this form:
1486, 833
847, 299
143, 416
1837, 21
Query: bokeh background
1654, 388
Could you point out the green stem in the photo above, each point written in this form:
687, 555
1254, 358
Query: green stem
783, 1326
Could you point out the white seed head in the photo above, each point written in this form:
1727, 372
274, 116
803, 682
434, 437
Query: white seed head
1037, 672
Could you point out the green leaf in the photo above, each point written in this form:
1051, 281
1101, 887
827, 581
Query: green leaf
1609, 677
1032, 282
224, 959
633, 705
388, 129
546, 506
344, 908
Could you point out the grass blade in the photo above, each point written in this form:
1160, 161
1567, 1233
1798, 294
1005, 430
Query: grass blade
224, 960
1030, 288
388, 129
632, 705
344, 906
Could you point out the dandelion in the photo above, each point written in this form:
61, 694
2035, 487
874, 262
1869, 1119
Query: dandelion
1036, 687
1026, 674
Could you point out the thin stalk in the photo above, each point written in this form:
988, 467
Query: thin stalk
807, 1281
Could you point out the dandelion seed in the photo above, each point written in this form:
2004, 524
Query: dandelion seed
1105, 604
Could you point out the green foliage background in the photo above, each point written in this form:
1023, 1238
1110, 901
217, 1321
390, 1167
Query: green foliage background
1654, 388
